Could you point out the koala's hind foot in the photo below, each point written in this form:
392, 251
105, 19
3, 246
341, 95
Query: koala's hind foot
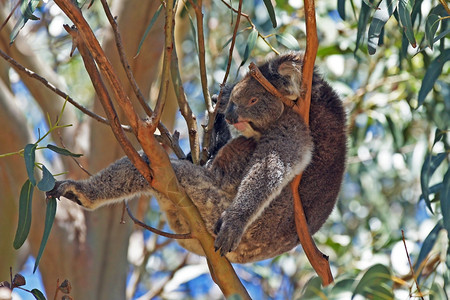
68, 189
229, 229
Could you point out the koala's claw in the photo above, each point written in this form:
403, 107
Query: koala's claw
60, 190
229, 235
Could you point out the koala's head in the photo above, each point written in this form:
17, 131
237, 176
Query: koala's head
251, 108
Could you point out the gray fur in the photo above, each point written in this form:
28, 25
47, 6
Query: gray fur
244, 194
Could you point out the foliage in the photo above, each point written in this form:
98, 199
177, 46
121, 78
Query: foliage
398, 100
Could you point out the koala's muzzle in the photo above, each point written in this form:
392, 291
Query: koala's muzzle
230, 114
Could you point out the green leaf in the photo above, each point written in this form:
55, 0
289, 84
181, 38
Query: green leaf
49, 218
27, 8
373, 279
313, 289
288, 41
404, 12
38, 294
271, 11
437, 292
431, 26
432, 74
251, 42
364, 15
47, 182
341, 8
427, 245
62, 151
445, 201
149, 27
380, 17
231, 38
430, 165
24, 223
30, 157
194, 33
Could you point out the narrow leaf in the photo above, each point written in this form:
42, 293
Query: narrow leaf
432, 74
30, 157
49, 218
364, 15
62, 151
288, 41
38, 294
47, 182
431, 26
27, 8
231, 38
404, 12
430, 165
24, 223
271, 11
251, 42
341, 8
194, 33
427, 245
149, 27
380, 17
445, 201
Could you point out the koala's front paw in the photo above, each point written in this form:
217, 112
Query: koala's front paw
229, 230
65, 189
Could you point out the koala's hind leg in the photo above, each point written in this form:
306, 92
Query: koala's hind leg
119, 181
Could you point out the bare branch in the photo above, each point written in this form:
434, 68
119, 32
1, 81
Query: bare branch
21, 69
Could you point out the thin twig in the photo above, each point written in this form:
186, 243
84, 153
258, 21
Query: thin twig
21, 69
73, 158
212, 116
176, 236
410, 266
10, 14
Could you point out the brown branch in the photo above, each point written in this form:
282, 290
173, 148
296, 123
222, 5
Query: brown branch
318, 260
411, 267
21, 69
176, 236
185, 109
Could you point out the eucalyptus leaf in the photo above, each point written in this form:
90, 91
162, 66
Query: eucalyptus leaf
373, 278
27, 8
271, 11
62, 151
380, 17
445, 202
149, 27
364, 15
29, 154
427, 245
49, 219
288, 41
432, 74
47, 182
38, 294
24, 223
430, 165
251, 42
404, 12
341, 8
431, 26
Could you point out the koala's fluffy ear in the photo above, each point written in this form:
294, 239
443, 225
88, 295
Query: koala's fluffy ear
292, 71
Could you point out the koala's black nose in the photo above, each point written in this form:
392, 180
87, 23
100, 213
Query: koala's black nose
230, 115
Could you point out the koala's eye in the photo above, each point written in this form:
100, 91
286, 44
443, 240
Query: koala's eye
252, 101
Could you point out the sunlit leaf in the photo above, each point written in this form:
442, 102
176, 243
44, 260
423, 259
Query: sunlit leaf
364, 15
404, 12
47, 182
27, 9
62, 151
271, 11
427, 245
24, 223
431, 26
149, 27
49, 218
380, 17
430, 165
341, 8
38, 294
432, 74
373, 279
288, 41
29, 154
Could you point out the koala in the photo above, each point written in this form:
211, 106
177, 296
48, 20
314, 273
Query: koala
243, 193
